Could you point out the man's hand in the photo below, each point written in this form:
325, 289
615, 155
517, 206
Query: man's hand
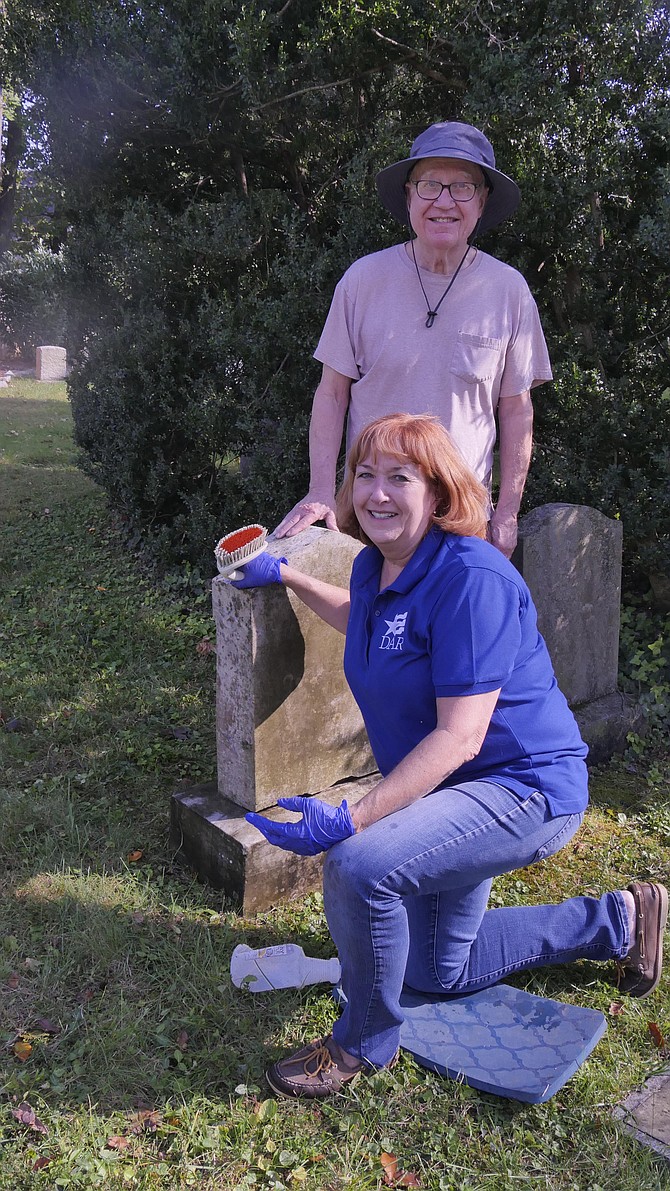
320, 827
502, 532
306, 513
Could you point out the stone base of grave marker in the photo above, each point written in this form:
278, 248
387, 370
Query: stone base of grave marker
605, 723
211, 834
50, 363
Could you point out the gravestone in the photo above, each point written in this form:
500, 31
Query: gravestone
50, 363
646, 1113
570, 557
286, 724
286, 721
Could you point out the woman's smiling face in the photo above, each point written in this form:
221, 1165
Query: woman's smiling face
394, 503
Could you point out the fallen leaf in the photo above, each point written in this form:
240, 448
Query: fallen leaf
390, 1167
22, 1050
118, 1143
182, 1040
204, 647
46, 1026
656, 1035
393, 1176
615, 1009
13, 980
101, 589
25, 1114
133, 857
148, 1119
40, 1163
87, 994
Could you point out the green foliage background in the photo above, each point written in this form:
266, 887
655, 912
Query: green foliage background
214, 165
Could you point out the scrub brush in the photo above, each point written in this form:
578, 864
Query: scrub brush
239, 547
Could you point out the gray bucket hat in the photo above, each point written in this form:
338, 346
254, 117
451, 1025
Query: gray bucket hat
465, 143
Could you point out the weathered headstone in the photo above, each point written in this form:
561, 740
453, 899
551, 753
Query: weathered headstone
646, 1113
286, 724
286, 720
50, 363
570, 557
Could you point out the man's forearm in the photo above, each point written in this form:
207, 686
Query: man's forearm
515, 425
325, 436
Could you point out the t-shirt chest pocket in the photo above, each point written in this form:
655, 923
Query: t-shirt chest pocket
476, 357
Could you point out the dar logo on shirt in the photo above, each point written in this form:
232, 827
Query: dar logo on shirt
394, 636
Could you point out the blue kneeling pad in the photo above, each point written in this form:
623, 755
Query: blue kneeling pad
501, 1040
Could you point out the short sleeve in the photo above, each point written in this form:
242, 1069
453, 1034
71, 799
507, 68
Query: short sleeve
527, 360
336, 345
475, 631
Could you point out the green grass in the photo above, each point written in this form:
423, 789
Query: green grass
146, 1066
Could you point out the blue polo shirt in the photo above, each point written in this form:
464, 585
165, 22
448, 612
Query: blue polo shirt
459, 620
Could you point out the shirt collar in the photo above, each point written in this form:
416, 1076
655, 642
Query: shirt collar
417, 568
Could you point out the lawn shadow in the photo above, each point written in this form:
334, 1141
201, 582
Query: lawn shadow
135, 1007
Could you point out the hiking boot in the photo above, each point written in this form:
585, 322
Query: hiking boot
640, 970
318, 1070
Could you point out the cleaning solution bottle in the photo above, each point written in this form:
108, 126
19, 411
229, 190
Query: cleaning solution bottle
283, 966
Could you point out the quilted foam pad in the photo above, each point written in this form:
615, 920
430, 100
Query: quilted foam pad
501, 1040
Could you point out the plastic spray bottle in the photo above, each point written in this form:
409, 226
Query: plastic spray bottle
283, 966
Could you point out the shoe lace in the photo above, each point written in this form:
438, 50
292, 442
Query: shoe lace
319, 1060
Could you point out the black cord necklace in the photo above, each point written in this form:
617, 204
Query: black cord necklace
432, 314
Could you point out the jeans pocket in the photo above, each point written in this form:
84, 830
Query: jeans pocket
566, 826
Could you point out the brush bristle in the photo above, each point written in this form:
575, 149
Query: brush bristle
235, 547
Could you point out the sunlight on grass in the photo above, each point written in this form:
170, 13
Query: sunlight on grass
145, 1065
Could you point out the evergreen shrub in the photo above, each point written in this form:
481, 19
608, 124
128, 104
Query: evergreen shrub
215, 165
32, 300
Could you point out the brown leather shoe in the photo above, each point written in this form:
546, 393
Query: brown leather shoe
640, 971
316, 1071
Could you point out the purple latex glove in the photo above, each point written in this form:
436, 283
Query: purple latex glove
321, 826
259, 572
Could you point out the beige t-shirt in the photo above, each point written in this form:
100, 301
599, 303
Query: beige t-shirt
485, 344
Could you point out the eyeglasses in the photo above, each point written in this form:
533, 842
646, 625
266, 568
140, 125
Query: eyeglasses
461, 192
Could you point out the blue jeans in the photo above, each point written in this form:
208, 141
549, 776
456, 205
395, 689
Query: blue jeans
405, 901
